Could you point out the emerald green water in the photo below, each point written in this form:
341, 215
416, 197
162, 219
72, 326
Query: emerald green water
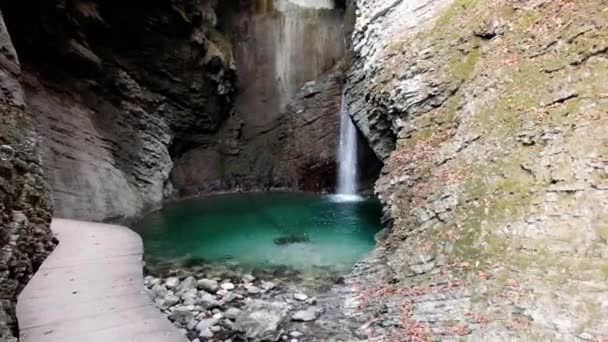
263, 229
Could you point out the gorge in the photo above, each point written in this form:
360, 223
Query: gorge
481, 126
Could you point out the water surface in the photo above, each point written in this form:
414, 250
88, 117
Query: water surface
297, 230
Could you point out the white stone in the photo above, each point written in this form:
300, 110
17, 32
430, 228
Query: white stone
268, 285
248, 278
227, 286
307, 315
172, 282
206, 333
208, 285
188, 283
296, 334
206, 324
251, 289
300, 296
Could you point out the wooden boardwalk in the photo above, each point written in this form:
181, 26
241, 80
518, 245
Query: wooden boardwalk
91, 289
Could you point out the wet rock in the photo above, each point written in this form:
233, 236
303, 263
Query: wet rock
208, 285
260, 319
307, 315
285, 240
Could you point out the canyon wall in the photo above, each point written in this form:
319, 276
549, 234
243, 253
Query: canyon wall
279, 46
491, 118
117, 91
25, 205
139, 103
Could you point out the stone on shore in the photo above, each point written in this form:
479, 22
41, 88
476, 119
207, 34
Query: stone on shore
172, 282
208, 285
307, 315
261, 319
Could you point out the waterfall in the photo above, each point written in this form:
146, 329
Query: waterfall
347, 154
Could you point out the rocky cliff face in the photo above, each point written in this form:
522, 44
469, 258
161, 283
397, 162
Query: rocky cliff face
491, 119
25, 208
279, 46
118, 91
138, 102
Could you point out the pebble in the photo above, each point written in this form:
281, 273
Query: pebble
300, 296
206, 324
311, 301
208, 285
251, 289
307, 315
231, 313
268, 285
227, 286
206, 333
248, 278
296, 334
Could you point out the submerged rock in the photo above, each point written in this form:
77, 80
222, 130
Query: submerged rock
260, 319
293, 238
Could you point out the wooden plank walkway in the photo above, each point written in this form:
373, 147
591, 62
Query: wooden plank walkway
91, 289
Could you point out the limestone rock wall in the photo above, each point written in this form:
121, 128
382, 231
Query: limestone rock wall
25, 206
491, 119
296, 151
140, 102
118, 91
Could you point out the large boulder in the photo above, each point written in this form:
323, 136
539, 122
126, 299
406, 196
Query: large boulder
260, 320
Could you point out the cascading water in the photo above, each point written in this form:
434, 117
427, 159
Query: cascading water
347, 155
